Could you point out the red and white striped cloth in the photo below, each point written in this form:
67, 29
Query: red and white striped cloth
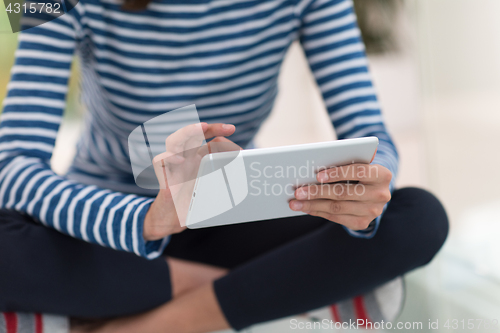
384, 303
11, 322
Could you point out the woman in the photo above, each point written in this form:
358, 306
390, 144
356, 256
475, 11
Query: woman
140, 60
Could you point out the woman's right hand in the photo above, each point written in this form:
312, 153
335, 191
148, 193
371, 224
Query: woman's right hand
179, 166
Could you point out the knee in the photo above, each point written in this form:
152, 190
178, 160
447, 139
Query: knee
425, 221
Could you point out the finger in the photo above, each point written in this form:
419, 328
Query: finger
219, 129
217, 145
350, 221
221, 139
222, 144
338, 191
366, 173
176, 142
192, 136
331, 207
374, 154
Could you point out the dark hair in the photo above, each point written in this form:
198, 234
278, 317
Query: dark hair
135, 5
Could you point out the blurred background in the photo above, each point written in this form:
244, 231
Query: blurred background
436, 66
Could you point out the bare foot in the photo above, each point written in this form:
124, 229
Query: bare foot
196, 311
184, 276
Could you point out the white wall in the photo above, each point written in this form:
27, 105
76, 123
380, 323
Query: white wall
459, 47
459, 41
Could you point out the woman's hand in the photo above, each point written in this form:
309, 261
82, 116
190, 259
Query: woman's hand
176, 170
351, 195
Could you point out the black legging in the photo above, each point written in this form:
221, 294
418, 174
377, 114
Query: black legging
278, 268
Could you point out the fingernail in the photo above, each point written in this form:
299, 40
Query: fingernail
297, 205
227, 127
301, 194
322, 177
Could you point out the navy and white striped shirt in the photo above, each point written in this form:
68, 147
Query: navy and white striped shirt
222, 55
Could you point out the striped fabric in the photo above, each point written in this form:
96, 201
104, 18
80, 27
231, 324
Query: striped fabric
222, 55
383, 304
11, 322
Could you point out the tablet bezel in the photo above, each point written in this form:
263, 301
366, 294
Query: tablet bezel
264, 207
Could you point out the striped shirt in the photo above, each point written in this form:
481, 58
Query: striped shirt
222, 55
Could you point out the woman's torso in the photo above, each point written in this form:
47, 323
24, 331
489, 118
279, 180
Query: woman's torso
222, 56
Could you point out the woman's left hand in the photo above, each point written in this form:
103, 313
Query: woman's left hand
351, 195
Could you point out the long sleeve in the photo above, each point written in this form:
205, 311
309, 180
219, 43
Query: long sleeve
29, 123
336, 54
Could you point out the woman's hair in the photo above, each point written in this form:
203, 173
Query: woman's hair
135, 5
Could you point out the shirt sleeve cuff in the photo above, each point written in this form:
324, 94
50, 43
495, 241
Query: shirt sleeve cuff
154, 249
147, 249
371, 230
368, 232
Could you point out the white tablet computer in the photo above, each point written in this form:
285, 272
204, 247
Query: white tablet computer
257, 184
